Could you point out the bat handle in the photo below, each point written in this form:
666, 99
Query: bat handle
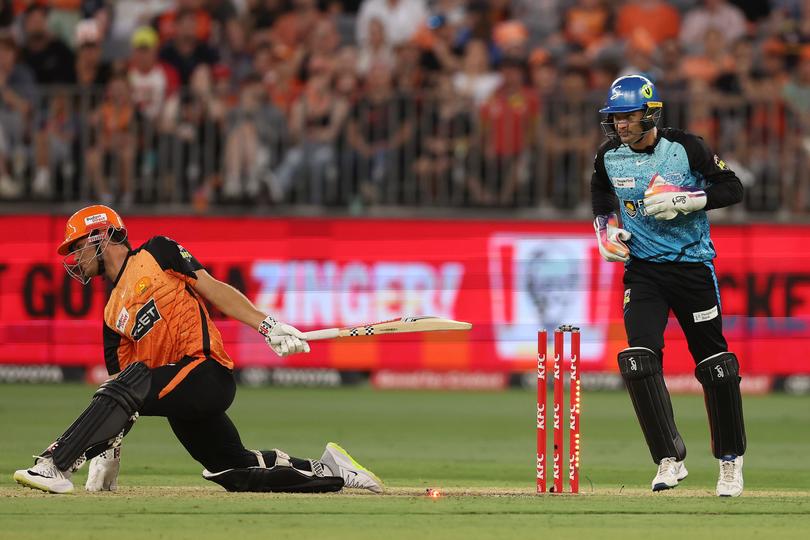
328, 333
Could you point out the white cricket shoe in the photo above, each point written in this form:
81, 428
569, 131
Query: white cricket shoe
670, 472
730, 483
340, 463
44, 475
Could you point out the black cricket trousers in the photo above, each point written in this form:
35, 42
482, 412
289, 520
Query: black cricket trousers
195, 409
689, 289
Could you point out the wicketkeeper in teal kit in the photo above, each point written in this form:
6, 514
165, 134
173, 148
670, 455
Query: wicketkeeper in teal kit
663, 181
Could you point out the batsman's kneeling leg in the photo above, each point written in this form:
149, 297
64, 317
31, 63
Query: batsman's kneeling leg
643, 375
281, 477
110, 415
720, 376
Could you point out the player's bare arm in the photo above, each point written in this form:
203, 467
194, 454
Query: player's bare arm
228, 299
283, 338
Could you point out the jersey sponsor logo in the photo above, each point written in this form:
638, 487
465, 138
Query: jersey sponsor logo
634, 207
122, 320
142, 285
624, 182
95, 218
630, 207
145, 319
640, 162
703, 316
720, 163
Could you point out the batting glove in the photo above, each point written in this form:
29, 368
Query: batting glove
282, 338
103, 471
611, 238
663, 200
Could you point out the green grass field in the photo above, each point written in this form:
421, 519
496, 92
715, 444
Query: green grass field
477, 447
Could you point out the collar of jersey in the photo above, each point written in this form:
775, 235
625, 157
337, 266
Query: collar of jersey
123, 266
650, 149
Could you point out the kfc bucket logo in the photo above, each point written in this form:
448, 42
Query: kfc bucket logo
543, 281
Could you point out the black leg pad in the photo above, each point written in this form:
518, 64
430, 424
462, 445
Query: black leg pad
720, 377
277, 479
106, 420
643, 375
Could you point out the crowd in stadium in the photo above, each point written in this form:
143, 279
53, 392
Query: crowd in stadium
356, 103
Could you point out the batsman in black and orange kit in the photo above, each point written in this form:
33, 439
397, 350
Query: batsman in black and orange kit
168, 360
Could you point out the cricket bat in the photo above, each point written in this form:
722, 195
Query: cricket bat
394, 326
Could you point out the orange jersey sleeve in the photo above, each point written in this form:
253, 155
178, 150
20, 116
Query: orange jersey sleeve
154, 315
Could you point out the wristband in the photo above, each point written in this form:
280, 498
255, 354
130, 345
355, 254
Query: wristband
267, 325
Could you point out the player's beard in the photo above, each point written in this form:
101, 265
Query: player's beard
76, 268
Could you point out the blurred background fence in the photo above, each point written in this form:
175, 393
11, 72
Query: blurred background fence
381, 106
430, 149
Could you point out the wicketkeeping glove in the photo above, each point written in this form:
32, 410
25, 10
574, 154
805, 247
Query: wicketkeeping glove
611, 238
282, 338
103, 471
663, 200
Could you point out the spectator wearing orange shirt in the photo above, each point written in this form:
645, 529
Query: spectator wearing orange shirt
114, 122
508, 121
166, 22
587, 25
706, 67
292, 28
511, 38
658, 19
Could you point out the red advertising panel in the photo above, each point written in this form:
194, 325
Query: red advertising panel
508, 278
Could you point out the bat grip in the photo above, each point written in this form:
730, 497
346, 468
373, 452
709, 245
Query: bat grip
328, 333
